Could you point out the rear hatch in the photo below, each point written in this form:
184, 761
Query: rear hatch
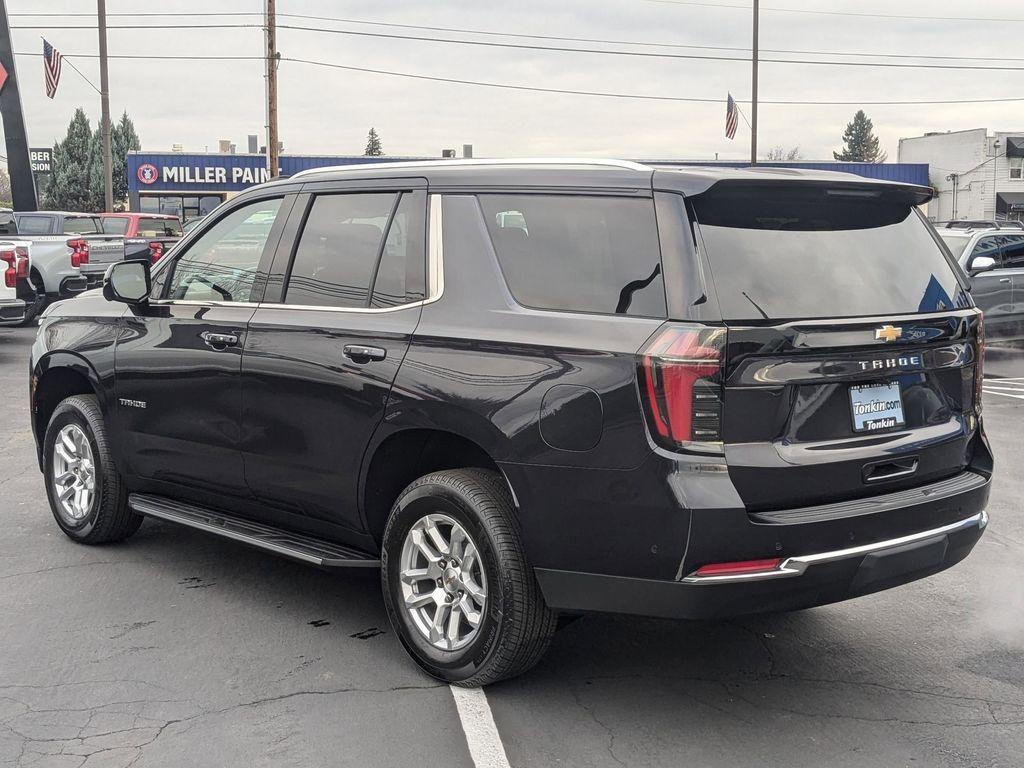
851, 358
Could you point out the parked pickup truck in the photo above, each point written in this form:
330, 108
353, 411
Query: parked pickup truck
14, 269
70, 253
146, 235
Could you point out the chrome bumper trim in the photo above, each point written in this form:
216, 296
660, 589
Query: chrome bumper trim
797, 565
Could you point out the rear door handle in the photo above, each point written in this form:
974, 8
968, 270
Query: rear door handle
219, 340
1004, 279
357, 353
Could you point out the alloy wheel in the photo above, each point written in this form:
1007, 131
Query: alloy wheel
74, 473
444, 587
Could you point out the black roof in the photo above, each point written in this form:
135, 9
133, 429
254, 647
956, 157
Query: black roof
586, 173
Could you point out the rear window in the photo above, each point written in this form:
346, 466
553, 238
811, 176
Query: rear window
578, 253
82, 225
115, 225
33, 225
158, 228
816, 252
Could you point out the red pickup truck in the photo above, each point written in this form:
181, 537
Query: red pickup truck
145, 234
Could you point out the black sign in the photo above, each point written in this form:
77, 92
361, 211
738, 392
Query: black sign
41, 159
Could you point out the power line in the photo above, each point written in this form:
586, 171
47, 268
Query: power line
557, 38
838, 13
537, 89
608, 94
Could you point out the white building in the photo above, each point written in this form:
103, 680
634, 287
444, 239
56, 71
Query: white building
977, 175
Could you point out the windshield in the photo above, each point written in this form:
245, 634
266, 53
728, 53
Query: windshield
955, 244
158, 228
82, 225
803, 251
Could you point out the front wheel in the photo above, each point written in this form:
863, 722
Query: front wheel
87, 496
459, 592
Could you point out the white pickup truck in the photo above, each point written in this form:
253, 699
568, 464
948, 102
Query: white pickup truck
69, 251
14, 278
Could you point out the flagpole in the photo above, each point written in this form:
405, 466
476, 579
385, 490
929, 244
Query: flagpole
753, 97
108, 178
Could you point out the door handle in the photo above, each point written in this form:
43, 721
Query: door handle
1004, 279
219, 340
357, 353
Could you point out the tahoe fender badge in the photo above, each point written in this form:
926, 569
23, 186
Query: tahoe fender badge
888, 332
132, 403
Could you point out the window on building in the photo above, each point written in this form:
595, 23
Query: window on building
1016, 167
222, 264
578, 253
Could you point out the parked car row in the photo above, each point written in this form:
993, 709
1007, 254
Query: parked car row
66, 253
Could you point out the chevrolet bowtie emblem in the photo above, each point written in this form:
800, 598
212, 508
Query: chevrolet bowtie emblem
888, 333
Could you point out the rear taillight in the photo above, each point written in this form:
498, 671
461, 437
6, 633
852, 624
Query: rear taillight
22, 253
79, 252
156, 251
681, 386
10, 258
979, 364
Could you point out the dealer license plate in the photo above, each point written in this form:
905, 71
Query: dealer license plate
876, 406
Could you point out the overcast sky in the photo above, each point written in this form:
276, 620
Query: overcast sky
328, 111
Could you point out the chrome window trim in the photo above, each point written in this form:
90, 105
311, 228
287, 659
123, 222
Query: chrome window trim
798, 564
434, 276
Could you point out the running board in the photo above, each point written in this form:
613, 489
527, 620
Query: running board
294, 545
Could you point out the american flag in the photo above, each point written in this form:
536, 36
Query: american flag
51, 67
732, 118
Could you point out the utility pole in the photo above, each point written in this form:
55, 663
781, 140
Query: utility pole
273, 161
108, 177
753, 93
995, 177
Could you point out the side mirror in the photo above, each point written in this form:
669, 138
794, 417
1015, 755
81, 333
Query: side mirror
127, 281
981, 264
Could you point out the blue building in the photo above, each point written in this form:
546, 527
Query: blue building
190, 185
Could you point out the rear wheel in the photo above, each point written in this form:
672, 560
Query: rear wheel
457, 586
87, 496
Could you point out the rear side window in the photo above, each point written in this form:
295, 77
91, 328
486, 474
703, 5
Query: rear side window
344, 260
809, 251
578, 253
82, 225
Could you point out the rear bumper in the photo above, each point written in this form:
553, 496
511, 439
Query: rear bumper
72, 286
797, 582
12, 311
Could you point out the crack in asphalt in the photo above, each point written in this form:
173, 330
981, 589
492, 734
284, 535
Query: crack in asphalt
593, 716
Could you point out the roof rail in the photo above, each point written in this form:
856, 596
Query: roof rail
624, 164
984, 224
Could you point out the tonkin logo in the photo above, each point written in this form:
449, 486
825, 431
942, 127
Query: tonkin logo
147, 173
888, 333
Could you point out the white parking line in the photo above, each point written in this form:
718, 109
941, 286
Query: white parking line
1004, 394
482, 736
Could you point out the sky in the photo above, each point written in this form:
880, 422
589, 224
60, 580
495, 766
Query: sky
329, 111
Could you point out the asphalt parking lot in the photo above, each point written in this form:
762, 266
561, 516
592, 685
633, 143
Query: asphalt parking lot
175, 649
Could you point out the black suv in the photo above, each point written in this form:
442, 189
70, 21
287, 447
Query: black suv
525, 389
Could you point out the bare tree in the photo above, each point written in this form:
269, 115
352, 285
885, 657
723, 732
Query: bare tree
777, 153
5, 188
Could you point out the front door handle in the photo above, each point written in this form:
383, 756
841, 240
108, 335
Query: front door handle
219, 340
1004, 279
357, 353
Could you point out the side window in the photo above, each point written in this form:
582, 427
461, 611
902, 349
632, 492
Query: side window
338, 250
400, 276
577, 253
222, 264
987, 246
1013, 251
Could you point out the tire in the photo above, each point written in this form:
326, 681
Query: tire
104, 515
514, 625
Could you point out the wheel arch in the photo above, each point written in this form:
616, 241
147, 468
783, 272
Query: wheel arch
403, 455
56, 376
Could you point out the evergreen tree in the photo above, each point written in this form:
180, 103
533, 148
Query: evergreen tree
373, 145
69, 182
123, 139
861, 144
97, 198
